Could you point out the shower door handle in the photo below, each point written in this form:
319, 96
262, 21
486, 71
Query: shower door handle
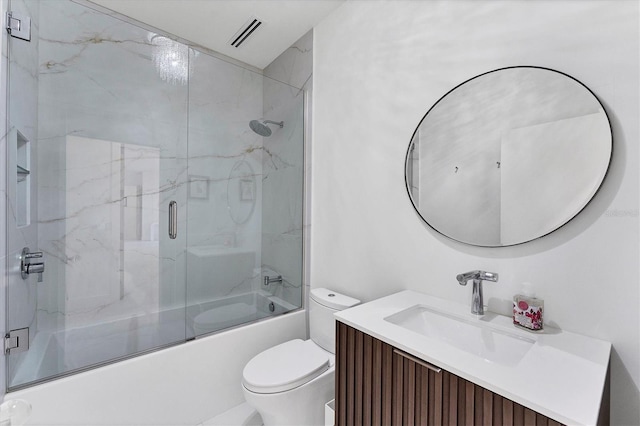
173, 220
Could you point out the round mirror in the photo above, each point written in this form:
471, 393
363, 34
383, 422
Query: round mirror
508, 156
241, 192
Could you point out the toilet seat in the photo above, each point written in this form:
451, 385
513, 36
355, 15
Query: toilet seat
285, 366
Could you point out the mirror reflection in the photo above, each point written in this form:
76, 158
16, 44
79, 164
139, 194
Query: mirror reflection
508, 156
241, 192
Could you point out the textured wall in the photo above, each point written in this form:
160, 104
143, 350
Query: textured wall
379, 66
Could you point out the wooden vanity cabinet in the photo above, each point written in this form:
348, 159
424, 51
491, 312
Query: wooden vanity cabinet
377, 384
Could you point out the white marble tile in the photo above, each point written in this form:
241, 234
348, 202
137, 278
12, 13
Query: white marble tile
295, 65
21, 211
282, 254
223, 98
108, 64
283, 184
20, 201
100, 87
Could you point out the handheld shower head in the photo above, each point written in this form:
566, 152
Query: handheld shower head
261, 128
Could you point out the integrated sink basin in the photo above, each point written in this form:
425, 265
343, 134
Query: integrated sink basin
477, 336
556, 373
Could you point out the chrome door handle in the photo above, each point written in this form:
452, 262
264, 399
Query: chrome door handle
173, 220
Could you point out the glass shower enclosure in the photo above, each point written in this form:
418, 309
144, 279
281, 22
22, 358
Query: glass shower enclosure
143, 210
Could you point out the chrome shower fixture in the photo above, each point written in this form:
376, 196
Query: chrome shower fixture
261, 128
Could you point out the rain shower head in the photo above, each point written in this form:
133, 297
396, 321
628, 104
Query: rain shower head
261, 128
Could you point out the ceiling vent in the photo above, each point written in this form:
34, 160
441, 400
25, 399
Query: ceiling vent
245, 31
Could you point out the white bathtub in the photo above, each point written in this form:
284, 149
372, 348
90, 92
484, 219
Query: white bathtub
182, 385
66, 350
234, 310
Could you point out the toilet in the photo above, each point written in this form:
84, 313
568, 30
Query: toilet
289, 384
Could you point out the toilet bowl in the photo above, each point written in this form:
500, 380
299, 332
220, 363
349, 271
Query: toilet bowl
289, 384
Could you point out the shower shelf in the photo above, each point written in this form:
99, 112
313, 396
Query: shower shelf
22, 173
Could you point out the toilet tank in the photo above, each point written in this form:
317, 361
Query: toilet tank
322, 326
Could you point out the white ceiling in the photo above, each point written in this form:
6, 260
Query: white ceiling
212, 23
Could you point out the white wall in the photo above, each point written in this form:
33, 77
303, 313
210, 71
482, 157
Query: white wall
379, 66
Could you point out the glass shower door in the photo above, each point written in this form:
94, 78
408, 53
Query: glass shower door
98, 120
245, 218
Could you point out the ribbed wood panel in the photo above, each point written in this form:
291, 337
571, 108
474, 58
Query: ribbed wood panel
376, 386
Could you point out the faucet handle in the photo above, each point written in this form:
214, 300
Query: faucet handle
476, 275
488, 276
463, 278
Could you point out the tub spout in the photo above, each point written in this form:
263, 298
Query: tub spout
268, 280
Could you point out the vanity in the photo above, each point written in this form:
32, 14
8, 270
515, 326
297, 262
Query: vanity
413, 359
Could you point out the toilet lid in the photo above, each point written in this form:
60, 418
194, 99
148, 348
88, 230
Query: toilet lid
285, 366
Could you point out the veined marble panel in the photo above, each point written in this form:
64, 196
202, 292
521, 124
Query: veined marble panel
104, 63
223, 99
21, 192
295, 65
99, 82
211, 215
223, 96
283, 163
282, 253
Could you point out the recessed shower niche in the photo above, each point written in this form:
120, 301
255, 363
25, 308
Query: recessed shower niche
23, 179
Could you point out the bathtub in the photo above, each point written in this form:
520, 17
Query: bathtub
57, 352
231, 311
182, 385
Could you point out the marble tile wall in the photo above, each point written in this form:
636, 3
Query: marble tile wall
283, 167
97, 132
224, 157
21, 208
112, 109
109, 145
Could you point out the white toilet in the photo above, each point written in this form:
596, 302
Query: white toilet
289, 384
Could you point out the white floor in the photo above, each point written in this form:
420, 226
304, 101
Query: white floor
240, 415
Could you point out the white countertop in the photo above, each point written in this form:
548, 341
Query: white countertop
562, 376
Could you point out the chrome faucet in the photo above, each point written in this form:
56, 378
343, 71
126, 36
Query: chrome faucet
28, 267
268, 280
477, 304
